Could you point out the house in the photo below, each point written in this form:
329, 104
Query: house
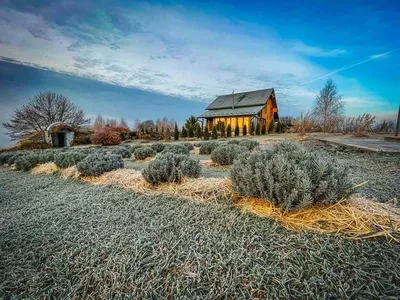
241, 109
59, 134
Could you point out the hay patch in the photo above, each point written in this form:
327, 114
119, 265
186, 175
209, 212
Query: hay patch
356, 217
197, 189
70, 173
45, 169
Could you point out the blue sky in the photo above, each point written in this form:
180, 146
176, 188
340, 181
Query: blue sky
184, 53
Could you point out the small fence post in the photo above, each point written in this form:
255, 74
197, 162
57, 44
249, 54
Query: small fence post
398, 123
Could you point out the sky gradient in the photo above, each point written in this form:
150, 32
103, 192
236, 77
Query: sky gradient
147, 59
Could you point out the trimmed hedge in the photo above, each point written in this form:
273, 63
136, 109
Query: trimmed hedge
290, 176
170, 167
144, 152
98, 163
226, 154
208, 147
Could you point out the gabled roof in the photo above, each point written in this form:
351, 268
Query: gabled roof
226, 112
245, 99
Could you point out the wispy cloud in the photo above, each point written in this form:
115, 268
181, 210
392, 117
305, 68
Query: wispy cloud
317, 51
167, 52
372, 57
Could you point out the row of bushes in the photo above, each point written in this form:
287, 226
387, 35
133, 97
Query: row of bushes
289, 175
89, 161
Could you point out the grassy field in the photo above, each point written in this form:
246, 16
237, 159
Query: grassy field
62, 239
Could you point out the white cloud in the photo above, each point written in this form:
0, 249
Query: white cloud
171, 54
317, 51
172, 51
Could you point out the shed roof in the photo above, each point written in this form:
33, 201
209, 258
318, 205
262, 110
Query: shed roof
245, 99
226, 112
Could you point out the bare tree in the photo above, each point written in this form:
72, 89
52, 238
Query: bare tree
328, 105
40, 112
99, 123
111, 122
122, 123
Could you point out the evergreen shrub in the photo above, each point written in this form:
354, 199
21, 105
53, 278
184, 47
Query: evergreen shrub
98, 163
249, 144
227, 153
208, 147
144, 152
68, 158
171, 167
290, 176
177, 149
158, 147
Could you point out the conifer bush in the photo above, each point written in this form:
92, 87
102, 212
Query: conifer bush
208, 147
214, 133
229, 131
290, 176
244, 130
158, 147
144, 152
249, 144
123, 151
98, 163
225, 154
171, 167
206, 134
237, 130
177, 149
68, 158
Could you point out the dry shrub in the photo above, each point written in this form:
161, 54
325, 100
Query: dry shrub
46, 169
71, 173
303, 124
106, 136
356, 217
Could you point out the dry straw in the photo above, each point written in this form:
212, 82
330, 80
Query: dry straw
46, 169
355, 217
71, 173
198, 189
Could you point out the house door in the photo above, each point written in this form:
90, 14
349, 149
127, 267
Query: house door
61, 139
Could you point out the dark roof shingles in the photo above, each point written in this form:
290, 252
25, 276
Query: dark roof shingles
253, 98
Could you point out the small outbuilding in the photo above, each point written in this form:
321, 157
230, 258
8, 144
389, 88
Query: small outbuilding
59, 135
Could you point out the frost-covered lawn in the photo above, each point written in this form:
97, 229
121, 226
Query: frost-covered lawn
62, 239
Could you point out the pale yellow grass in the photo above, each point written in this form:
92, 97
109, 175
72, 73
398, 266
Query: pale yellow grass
71, 173
46, 169
198, 189
356, 217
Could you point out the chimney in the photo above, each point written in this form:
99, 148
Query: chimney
233, 99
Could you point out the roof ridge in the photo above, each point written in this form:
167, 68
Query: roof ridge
245, 92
